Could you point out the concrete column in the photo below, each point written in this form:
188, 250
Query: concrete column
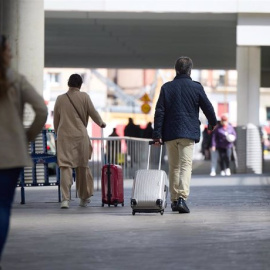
248, 105
23, 23
248, 85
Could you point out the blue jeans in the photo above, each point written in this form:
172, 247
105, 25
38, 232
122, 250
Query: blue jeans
8, 183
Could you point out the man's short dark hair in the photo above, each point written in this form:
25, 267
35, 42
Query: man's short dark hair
75, 80
183, 65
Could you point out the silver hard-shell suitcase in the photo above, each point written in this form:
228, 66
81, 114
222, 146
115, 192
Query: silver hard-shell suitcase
150, 189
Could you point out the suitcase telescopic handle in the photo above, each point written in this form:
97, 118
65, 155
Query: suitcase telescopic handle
103, 159
160, 154
153, 142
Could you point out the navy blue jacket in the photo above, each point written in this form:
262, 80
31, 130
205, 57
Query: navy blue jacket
177, 110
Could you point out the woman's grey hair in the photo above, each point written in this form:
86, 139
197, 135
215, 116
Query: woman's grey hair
183, 65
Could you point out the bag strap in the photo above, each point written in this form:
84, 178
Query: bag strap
74, 107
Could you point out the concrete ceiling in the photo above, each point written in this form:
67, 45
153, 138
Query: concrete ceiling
141, 40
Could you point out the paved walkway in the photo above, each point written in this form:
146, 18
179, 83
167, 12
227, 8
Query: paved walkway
228, 228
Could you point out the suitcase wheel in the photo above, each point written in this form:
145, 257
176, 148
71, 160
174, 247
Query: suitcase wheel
115, 205
159, 203
123, 204
133, 213
133, 202
102, 204
162, 212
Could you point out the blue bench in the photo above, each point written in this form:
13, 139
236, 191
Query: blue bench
42, 156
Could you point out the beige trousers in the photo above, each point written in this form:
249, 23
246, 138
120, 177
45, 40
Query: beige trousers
180, 155
84, 182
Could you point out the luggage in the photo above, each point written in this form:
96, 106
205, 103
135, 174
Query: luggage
112, 183
112, 187
150, 189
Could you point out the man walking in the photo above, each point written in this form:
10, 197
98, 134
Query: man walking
71, 113
176, 123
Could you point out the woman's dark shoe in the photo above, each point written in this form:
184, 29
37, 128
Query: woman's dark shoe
174, 206
182, 206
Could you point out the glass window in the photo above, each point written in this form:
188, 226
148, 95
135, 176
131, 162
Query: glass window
54, 78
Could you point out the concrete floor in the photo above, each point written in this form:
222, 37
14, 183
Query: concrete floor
228, 228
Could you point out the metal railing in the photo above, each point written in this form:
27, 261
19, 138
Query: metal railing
128, 152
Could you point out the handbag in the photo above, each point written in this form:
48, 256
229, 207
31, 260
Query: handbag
90, 144
230, 138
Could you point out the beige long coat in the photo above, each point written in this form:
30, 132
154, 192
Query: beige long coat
14, 137
72, 138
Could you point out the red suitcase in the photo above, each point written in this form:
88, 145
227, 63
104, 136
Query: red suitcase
112, 185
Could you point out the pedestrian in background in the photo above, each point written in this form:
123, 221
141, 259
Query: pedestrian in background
114, 149
15, 91
206, 143
208, 150
132, 130
223, 139
176, 123
71, 113
148, 131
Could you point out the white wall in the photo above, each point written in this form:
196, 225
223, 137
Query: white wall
196, 6
253, 30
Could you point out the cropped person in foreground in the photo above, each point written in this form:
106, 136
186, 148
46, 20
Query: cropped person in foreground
15, 91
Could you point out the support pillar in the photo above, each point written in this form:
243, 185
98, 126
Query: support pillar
248, 107
23, 23
248, 85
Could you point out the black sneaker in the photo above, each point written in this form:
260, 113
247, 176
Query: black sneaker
174, 206
182, 207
